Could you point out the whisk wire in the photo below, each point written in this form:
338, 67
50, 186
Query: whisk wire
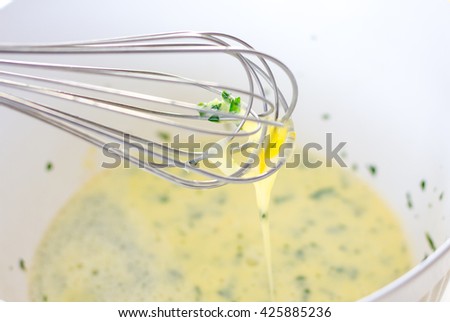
274, 109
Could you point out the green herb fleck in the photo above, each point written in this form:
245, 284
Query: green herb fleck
225, 293
321, 193
349, 272
430, 242
354, 167
409, 200
343, 248
198, 293
221, 200
336, 229
214, 118
325, 116
44, 298
165, 136
226, 96
441, 196
216, 106
175, 275
95, 272
49, 166
194, 163
239, 251
263, 215
282, 199
300, 278
300, 254
423, 185
164, 199
306, 294
235, 105
372, 169
22, 265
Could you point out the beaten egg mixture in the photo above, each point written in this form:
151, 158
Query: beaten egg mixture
130, 236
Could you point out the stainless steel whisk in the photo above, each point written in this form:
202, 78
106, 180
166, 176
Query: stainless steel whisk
61, 93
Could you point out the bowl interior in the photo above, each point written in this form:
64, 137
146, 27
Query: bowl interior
381, 85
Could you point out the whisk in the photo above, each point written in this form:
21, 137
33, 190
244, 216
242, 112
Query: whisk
94, 90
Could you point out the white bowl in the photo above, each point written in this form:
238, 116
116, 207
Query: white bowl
380, 70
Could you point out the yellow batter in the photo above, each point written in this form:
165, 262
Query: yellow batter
130, 236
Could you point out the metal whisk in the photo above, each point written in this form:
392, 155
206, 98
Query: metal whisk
97, 90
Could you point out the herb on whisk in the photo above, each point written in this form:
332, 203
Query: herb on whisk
226, 96
228, 104
235, 105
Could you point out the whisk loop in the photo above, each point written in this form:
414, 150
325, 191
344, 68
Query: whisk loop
72, 85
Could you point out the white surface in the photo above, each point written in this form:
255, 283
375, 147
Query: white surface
4, 3
379, 68
339, 312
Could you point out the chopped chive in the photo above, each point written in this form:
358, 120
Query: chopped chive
321, 193
325, 116
349, 272
300, 278
263, 216
409, 201
441, 196
300, 254
226, 96
239, 251
306, 294
22, 265
214, 118
423, 185
282, 199
430, 242
164, 199
164, 136
221, 200
372, 169
198, 293
235, 105
49, 166
216, 106
225, 293
174, 274
194, 163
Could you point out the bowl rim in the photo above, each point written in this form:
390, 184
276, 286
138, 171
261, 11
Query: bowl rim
421, 268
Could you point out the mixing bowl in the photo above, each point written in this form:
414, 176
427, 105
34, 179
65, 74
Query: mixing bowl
378, 71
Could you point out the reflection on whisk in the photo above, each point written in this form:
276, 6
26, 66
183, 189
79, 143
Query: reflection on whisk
105, 90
